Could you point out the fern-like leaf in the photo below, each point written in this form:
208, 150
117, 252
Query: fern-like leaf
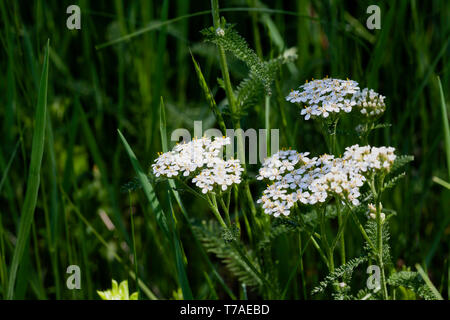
231, 41
413, 281
213, 240
393, 181
371, 230
344, 271
401, 161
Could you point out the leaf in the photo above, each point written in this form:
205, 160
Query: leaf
393, 181
445, 125
148, 189
118, 292
413, 281
181, 268
371, 230
428, 282
209, 234
382, 126
208, 95
345, 270
443, 183
231, 41
33, 182
401, 161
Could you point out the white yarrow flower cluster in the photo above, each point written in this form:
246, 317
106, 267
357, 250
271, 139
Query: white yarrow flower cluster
297, 178
202, 158
369, 159
324, 97
370, 103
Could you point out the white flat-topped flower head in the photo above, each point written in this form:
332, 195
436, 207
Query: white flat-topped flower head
324, 97
369, 159
297, 178
203, 159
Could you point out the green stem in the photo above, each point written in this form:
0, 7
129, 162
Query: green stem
341, 232
225, 209
323, 234
362, 230
213, 205
379, 245
321, 253
311, 235
380, 251
333, 137
302, 272
231, 100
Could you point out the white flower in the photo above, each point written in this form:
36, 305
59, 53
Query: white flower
325, 96
203, 158
297, 178
370, 104
369, 159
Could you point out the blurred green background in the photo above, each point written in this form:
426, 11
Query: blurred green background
95, 89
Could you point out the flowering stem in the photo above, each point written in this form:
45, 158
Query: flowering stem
361, 228
342, 219
333, 136
341, 231
380, 252
324, 239
311, 235
213, 205
232, 101
302, 272
317, 246
225, 209
379, 246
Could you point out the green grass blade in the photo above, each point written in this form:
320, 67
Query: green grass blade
147, 187
181, 268
443, 183
428, 282
445, 125
209, 96
37, 151
162, 125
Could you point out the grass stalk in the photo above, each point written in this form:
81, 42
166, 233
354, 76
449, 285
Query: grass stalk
33, 179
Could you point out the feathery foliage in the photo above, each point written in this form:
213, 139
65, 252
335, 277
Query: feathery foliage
344, 271
212, 238
413, 281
